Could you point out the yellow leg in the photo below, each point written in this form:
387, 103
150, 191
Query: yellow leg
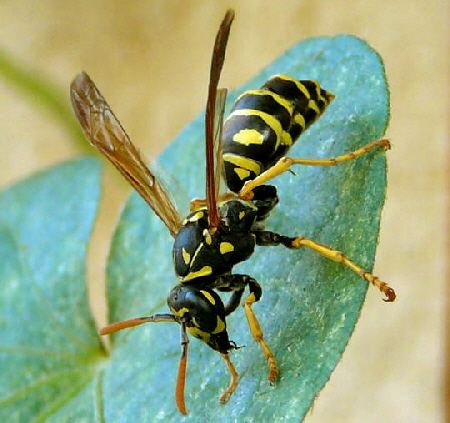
285, 163
197, 203
258, 336
234, 379
341, 258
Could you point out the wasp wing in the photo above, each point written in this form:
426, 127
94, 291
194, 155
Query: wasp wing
218, 126
211, 121
105, 132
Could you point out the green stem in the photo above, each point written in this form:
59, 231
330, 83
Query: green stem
43, 92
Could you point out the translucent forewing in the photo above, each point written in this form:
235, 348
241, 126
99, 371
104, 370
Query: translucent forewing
210, 120
105, 132
218, 126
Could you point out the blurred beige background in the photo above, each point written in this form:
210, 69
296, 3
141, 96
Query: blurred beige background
151, 59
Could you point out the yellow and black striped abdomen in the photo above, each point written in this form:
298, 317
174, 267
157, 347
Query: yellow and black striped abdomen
265, 123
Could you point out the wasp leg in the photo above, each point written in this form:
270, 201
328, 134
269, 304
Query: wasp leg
285, 163
237, 283
234, 379
256, 331
234, 301
197, 203
267, 238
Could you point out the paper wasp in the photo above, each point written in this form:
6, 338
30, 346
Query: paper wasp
248, 150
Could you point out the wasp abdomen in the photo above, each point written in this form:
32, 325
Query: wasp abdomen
265, 123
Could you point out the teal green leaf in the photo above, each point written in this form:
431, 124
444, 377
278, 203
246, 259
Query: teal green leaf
309, 308
49, 349
310, 305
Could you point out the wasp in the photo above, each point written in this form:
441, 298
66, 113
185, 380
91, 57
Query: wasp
248, 150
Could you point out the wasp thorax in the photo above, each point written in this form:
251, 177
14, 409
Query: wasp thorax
237, 215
